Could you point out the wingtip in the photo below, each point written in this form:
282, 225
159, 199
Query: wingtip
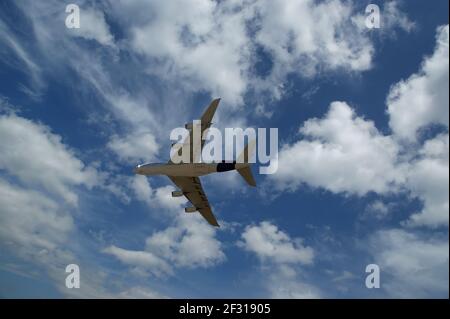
215, 224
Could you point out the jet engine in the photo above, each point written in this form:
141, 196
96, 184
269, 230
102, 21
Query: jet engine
177, 193
191, 209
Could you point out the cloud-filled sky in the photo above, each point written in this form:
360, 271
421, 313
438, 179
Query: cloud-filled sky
363, 164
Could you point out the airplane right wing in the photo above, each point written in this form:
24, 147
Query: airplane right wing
206, 119
193, 191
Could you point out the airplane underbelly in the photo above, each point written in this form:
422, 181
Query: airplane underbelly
198, 169
225, 167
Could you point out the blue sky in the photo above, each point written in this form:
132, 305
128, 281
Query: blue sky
362, 118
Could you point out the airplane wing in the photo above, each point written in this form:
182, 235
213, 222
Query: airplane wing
206, 123
193, 191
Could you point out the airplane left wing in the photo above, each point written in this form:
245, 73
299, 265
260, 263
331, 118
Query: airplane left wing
193, 191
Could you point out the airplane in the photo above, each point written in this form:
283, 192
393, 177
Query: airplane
186, 175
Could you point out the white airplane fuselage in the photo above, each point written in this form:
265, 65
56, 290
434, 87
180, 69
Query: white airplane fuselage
187, 169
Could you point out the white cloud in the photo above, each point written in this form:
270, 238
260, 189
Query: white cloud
376, 209
133, 111
422, 99
414, 266
141, 188
160, 198
280, 257
344, 153
310, 36
341, 153
413, 104
271, 244
141, 261
392, 17
23, 58
286, 283
428, 178
30, 221
97, 73
206, 46
93, 26
190, 243
37, 157
224, 71
140, 293
211, 46
134, 147
39, 177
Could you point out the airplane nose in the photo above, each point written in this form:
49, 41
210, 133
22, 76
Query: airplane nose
137, 169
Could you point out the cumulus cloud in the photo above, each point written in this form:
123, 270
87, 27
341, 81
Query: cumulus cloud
287, 283
416, 103
160, 197
30, 221
422, 99
99, 74
37, 157
310, 37
191, 243
342, 153
211, 48
141, 188
206, 45
428, 178
215, 45
188, 242
280, 257
412, 265
345, 153
134, 147
271, 244
40, 176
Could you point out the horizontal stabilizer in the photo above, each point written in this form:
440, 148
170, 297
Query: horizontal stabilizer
246, 173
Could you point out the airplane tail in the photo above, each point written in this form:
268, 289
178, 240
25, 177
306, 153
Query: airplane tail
247, 152
244, 157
